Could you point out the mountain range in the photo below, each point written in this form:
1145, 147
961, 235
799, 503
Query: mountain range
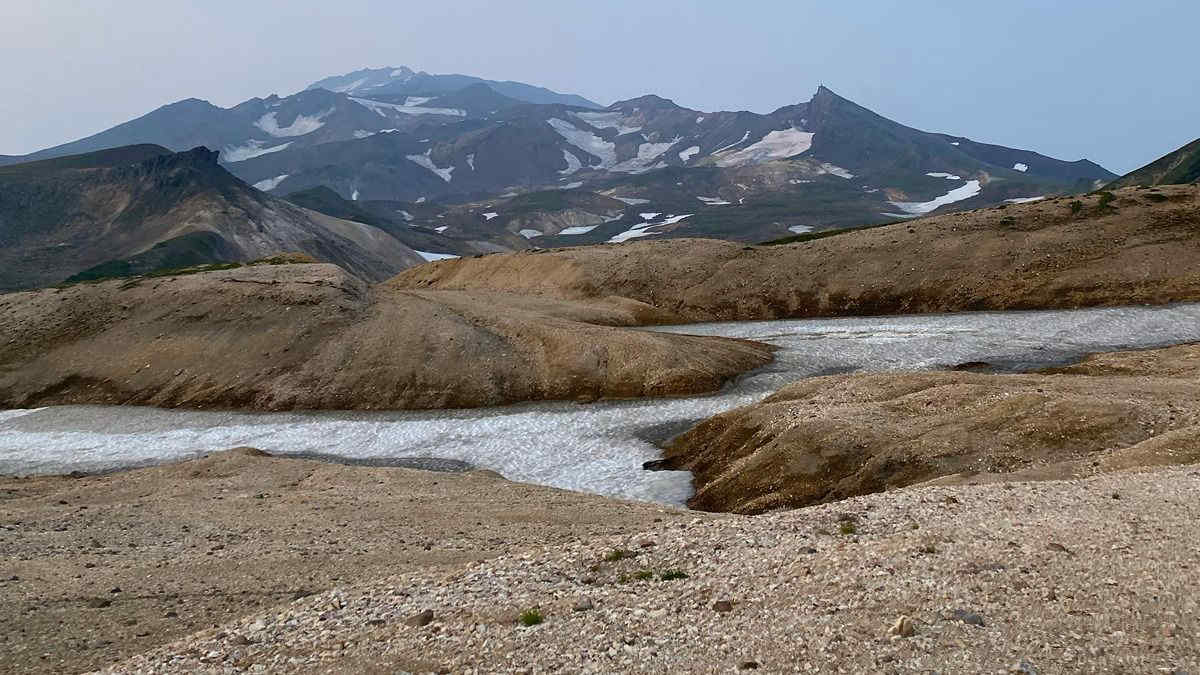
458, 165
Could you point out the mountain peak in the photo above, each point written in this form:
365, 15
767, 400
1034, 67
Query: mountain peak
650, 101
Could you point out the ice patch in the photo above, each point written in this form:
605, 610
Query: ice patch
699, 119
406, 216
471, 161
251, 149
420, 200
431, 257
578, 229
835, 170
643, 229
901, 215
714, 201
586, 141
571, 186
354, 195
270, 183
775, 145
726, 147
967, 191
800, 229
442, 228
954, 143
490, 215
1021, 167
350, 87
607, 120
530, 234
425, 161
645, 160
573, 163
649, 216
1024, 200
363, 133
413, 101
382, 109
303, 124
632, 201
947, 176
689, 153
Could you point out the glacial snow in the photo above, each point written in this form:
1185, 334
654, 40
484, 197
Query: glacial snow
529, 233
1021, 167
471, 161
775, 145
967, 191
586, 141
835, 170
632, 201
646, 159
251, 149
571, 186
607, 120
431, 257
600, 447
723, 148
573, 163
800, 229
578, 229
489, 215
303, 124
425, 161
643, 229
947, 176
687, 154
714, 201
382, 109
1024, 200
270, 183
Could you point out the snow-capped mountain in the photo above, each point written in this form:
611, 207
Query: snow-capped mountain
440, 151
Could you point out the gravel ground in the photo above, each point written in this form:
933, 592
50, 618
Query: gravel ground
1094, 575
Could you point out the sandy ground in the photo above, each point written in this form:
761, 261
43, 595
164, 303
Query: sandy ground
1094, 575
96, 569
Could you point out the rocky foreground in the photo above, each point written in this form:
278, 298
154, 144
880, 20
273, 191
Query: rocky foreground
1091, 575
96, 569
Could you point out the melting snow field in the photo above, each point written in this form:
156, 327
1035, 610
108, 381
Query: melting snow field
302, 125
425, 161
251, 149
436, 256
270, 183
967, 191
598, 447
775, 145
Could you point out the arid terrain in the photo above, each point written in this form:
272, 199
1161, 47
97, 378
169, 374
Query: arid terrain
1138, 247
829, 438
98, 568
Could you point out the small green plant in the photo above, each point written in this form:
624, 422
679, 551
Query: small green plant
1106, 198
1076, 206
1155, 197
531, 617
643, 575
618, 554
672, 575
847, 527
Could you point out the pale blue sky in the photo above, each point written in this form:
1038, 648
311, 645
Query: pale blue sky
1114, 81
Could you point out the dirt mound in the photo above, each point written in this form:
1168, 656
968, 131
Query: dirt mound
1138, 247
314, 336
831, 438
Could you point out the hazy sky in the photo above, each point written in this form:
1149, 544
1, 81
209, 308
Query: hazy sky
1115, 81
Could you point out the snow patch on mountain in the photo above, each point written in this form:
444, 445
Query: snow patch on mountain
687, 154
571, 186
632, 201
426, 162
947, 176
431, 257
573, 163
800, 229
301, 126
834, 170
775, 145
967, 191
1021, 167
731, 145
607, 120
586, 141
471, 161
530, 234
251, 149
490, 215
646, 158
714, 201
270, 183
417, 100
1024, 200
578, 229
382, 109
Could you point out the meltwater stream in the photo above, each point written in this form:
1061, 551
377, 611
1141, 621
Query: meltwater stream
598, 447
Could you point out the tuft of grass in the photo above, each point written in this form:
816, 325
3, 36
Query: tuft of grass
531, 617
1106, 199
643, 575
618, 554
847, 527
672, 575
1155, 197
1076, 206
